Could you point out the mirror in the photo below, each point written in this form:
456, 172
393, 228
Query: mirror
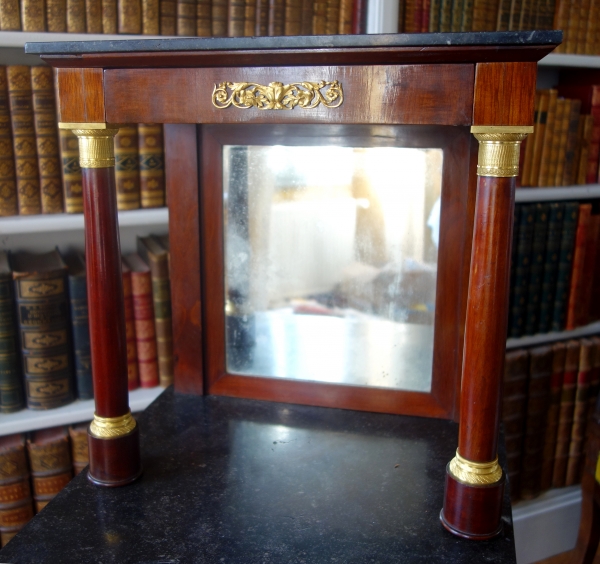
331, 263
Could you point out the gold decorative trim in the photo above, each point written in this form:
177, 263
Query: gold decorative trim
96, 147
112, 427
68, 125
477, 473
499, 149
277, 96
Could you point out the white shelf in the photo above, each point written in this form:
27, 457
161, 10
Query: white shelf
552, 337
19, 38
564, 60
76, 412
580, 192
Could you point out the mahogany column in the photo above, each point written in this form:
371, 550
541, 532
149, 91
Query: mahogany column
113, 435
474, 479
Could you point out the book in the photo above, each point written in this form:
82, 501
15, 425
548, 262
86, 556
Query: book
133, 377
467, 21
56, 16
457, 15
186, 17
11, 380
445, 15
333, 17
555, 139
576, 284
16, 504
561, 146
43, 322
79, 446
8, 180
10, 18
359, 17
565, 418
319, 17
559, 352
584, 302
71, 171
23, 132
345, 24
582, 158
145, 326
93, 16
538, 140
571, 143
168, 17
76, 16
551, 117
250, 18
129, 18
151, 17
157, 258
46, 135
50, 463
293, 17
538, 399
33, 15
219, 18
580, 412
80, 327
203, 18
127, 168
110, 17
152, 165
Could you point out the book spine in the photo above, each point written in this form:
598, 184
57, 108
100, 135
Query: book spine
410, 17
345, 23
543, 179
26, 162
43, 321
133, 377
76, 16
319, 17
33, 16
572, 30
46, 134
445, 15
186, 17
93, 16
555, 224
293, 17
503, 15
467, 21
584, 303
203, 18
571, 143
434, 16
219, 18
56, 16
565, 261
81, 336
71, 171
584, 153
130, 16
152, 165
359, 17
425, 10
79, 448
8, 180
151, 17
11, 380
562, 143
555, 137
581, 235
540, 131
109, 17
250, 18
168, 17
10, 18
561, 16
457, 13
145, 329
592, 28
127, 169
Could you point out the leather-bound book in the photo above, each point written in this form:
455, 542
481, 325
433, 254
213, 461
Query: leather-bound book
8, 180
168, 17
516, 373
580, 412
130, 18
16, 505
319, 17
571, 144
46, 135
80, 328
23, 130
565, 261
594, 378
76, 17
293, 17
538, 399
457, 12
109, 17
151, 17
555, 223
153, 254
44, 332
434, 16
527, 147
479, 15
565, 417
425, 8
250, 18
562, 109
543, 179
561, 19
204, 18
545, 15
127, 168
10, 18
592, 29
503, 19
33, 15
562, 142
11, 379
467, 22
536, 268
93, 16
412, 16
559, 353
332, 17
219, 18
584, 303
584, 14
80, 454
56, 16
152, 165
445, 15
133, 376
236, 18
50, 462
71, 171
145, 326
576, 284
584, 149
538, 140
186, 17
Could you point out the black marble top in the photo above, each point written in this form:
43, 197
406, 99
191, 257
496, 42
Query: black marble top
239, 481
497, 38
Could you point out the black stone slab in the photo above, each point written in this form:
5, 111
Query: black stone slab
498, 38
240, 481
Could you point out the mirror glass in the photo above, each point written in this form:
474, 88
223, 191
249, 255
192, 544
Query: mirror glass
331, 263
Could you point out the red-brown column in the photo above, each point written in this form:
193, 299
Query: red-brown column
113, 435
474, 479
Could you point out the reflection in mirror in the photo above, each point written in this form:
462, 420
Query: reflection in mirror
331, 263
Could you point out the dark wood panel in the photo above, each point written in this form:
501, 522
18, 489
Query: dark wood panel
409, 94
294, 57
504, 93
81, 95
181, 167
